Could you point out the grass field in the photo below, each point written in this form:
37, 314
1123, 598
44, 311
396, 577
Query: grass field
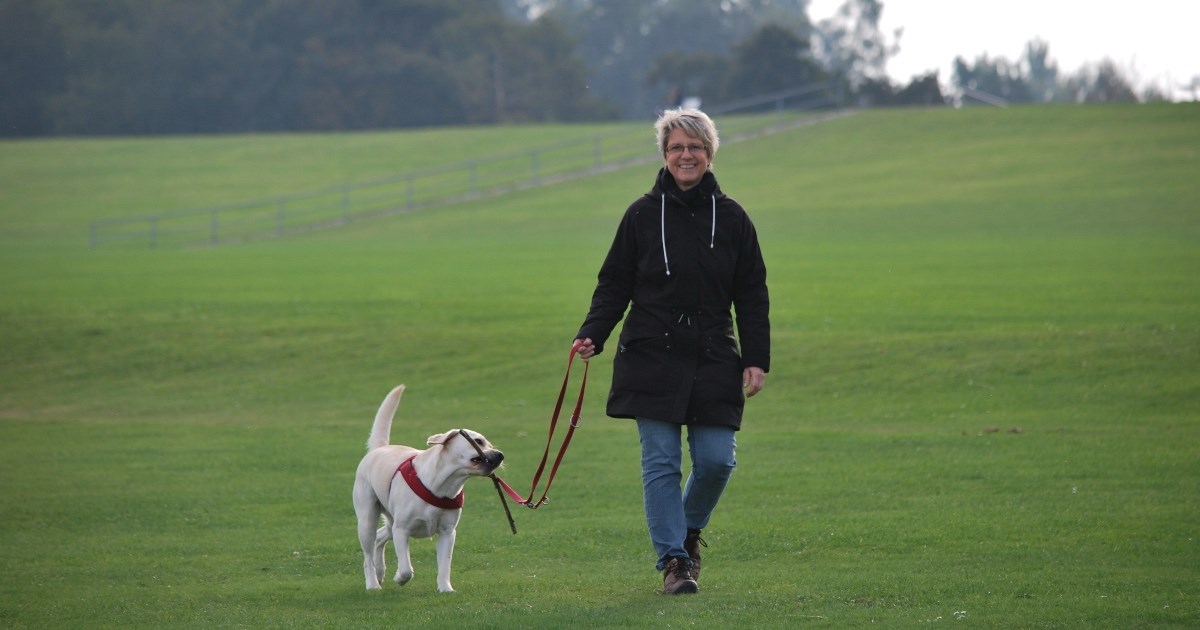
984, 408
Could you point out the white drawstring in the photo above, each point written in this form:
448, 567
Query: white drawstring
712, 238
662, 222
662, 219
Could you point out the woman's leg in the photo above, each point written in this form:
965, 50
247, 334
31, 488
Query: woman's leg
713, 459
662, 456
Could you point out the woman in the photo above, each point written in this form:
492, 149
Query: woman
683, 255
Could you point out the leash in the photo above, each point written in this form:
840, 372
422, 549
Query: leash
503, 488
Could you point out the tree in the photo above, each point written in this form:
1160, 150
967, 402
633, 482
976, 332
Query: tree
998, 78
921, 90
685, 75
622, 41
32, 60
1101, 83
851, 45
772, 59
520, 72
362, 64
133, 67
1042, 71
1035, 79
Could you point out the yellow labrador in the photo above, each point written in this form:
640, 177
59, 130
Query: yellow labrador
418, 493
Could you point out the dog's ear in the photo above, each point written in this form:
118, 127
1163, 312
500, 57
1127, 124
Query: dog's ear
439, 438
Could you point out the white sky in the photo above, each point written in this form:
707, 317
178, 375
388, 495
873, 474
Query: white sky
1152, 41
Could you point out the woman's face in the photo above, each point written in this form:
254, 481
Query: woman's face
686, 158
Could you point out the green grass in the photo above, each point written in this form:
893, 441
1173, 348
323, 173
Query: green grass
984, 406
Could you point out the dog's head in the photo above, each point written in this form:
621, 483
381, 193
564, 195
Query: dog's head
470, 449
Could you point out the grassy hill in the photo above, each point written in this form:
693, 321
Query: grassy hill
984, 404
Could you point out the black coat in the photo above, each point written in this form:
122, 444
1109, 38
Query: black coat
680, 261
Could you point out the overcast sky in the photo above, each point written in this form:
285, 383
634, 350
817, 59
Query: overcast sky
1151, 41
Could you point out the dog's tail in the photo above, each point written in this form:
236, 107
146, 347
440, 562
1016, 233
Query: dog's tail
381, 431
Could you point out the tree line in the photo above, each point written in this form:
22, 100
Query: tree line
91, 67
133, 67
1036, 78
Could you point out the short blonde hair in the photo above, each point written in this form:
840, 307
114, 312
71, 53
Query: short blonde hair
693, 122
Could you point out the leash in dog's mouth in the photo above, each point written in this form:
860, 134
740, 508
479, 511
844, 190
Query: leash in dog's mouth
482, 459
501, 487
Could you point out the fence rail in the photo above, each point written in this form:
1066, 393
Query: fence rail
321, 208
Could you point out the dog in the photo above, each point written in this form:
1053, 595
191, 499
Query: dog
418, 493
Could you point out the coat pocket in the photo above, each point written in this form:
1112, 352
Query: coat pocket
721, 370
643, 364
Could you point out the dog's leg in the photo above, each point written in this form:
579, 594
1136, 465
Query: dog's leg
404, 570
368, 517
445, 554
382, 536
367, 509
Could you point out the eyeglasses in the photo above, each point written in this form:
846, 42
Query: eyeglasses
694, 149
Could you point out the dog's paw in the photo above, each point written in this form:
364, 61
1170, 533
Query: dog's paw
445, 588
402, 578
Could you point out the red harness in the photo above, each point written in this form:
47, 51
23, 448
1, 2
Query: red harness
409, 473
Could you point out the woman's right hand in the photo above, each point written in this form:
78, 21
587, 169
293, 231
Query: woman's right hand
585, 348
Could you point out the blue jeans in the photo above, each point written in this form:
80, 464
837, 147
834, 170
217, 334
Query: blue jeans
670, 510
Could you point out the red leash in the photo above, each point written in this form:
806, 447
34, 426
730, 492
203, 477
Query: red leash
562, 450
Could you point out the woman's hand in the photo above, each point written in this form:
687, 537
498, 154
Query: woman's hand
753, 380
586, 349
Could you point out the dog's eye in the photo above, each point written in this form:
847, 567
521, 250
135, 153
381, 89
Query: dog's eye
479, 441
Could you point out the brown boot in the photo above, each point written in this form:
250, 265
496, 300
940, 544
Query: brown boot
692, 545
677, 577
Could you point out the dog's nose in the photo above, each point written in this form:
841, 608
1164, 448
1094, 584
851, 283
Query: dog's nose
499, 457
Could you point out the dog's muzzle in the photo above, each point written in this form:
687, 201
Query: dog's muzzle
489, 461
